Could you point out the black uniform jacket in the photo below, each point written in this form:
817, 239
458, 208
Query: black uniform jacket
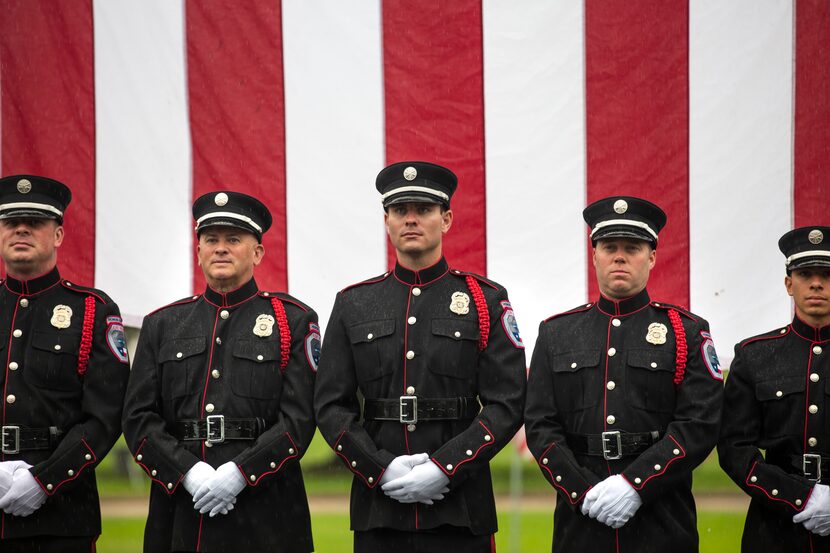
44, 324
395, 336
776, 399
613, 366
209, 355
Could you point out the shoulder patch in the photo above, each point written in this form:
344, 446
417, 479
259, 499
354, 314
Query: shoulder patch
771, 335
580, 309
117, 340
189, 299
313, 345
710, 356
509, 324
373, 280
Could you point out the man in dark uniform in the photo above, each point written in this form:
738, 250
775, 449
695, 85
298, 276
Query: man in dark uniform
219, 403
66, 370
624, 399
437, 356
776, 400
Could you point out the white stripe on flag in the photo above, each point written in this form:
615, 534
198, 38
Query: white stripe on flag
740, 164
143, 246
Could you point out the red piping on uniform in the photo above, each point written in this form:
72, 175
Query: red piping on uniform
771, 337
605, 385
370, 281
483, 313
24, 285
82, 289
150, 474
405, 349
553, 481
199, 535
8, 359
86, 335
289, 300
681, 348
225, 299
665, 467
207, 374
807, 398
617, 307
285, 332
773, 498
418, 275
815, 338
482, 446
73, 477
354, 469
258, 478
180, 302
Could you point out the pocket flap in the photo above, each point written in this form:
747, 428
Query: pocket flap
177, 350
652, 360
575, 360
256, 350
371, 330
56, 342
456, 329
778, 388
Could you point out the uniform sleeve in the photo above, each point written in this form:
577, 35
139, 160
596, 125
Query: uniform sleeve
289, 437
738, 449
337, 407
502, 384
159, 453
692, 434
89, 440
545, 434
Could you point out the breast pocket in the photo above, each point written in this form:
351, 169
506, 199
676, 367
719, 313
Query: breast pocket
372, 342
782, 400
255, 372
577, 380
650, 380
454, 348
54, 360
182, 362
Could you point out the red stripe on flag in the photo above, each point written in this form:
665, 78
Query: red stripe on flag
812, 114
48, 111
237, 114
434, 100
637, 122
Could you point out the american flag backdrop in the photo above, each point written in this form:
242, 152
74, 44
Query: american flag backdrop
719, 111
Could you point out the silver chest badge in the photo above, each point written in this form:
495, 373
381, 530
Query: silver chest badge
460, 304
656, 334
61, 316
264, 325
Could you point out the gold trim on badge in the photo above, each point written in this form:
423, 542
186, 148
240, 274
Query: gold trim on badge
657, 334
460, 304
264, 325
61, 316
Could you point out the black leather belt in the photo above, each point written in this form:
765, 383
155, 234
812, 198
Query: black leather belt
17, 438
612, 445
412, 409
814, 466
215, 429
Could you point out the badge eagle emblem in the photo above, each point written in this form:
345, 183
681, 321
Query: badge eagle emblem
264, 325
656, 334
61, 316
460, 304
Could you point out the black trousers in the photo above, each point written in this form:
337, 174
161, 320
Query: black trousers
444, 539
49, 544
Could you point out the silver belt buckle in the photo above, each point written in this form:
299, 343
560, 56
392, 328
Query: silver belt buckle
813, 459
212, 422
611, 438
5, 433
408, 410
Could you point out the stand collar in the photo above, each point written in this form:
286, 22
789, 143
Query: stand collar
810, 332
424, 276
229, 299
35, 285
624, 306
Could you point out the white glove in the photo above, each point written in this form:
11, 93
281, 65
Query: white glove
401, 466
612, 502
219, 494
25, 495
425, 483
7, 469
198, 475
816, 513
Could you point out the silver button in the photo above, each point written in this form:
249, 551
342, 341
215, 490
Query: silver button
812, 442
339, 448
154, 472
410, 354
169, 485
208, 444
266, 294
574, 495
753, 479
49, 487
813, 409
253, 477
615, 322
573, 365
783, 331
13, 365
457, 334
657, 467
610, 419
17, 333
139, 457
612, 352
774, 492
449, 467
179, 355
412, 320
410, 427
24, 302
88, 457
816, 349
209, 408
779, 393
656, 304
638, 480
814, 377
653, 365
273, 465
487, 437
218, 341
410, 390
70, 472
676, 451
416, 291
469, 453
545, 461
259, 357
57, 347
291, 451
798, 502
611, 385
224, 314
10, 398
370, 336
558, 477
370, 479
215, 373
354, 463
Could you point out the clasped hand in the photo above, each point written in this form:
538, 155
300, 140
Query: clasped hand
414, 479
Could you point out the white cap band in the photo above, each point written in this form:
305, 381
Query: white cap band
31, 205
423, 189
626, 222
228, 215
810, 253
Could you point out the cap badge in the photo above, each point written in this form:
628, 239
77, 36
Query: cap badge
410, 173
220, 199
815, 236
24, 186
621, 206
264, 325
656, 334
460, 304
61, 316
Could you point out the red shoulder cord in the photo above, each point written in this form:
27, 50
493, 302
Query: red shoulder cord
682, 348
86, 335
483, 313
285, 331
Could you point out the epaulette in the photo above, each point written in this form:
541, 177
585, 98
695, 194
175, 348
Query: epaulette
682, 310
484, 280
771, 335
580, 309
285, 298
97, 294
373, 280
188, 299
